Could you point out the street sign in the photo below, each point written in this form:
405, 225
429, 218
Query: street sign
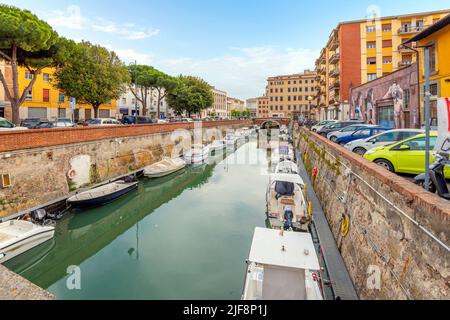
443, 141
73, 103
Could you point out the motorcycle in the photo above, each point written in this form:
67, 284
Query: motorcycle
437, 180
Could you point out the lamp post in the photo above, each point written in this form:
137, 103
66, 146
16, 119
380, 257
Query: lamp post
310, 99
136, 91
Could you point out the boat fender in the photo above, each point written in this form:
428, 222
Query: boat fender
315, 172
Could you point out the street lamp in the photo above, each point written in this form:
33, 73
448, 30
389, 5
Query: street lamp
310, 99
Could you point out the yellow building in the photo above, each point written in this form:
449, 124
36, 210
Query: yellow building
5, 107
289, 94
262, 110
235, 104
219, 108
46, 102
437, 39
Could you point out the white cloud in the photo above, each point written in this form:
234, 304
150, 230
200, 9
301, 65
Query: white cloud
72, 18
130, 56
244, 73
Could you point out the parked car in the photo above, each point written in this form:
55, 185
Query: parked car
138, 120
30, 122
386, 138
336, 126
407, 156
321, 124
362, 133
186, 120
44, 125
346, 131
162, 121
103, 122
64, 123
6, 125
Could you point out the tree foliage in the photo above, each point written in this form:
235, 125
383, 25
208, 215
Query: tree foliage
26, 41
235, 113
190, 95
92, 74
146, 80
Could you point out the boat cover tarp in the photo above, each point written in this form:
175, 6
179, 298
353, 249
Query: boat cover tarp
284, 188
283, 284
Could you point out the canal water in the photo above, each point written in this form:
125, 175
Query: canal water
185, 236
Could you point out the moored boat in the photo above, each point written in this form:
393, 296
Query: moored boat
197, 154
164, 168
102, 195
286, 205
282, 266
218, 145
19, 236
287, 166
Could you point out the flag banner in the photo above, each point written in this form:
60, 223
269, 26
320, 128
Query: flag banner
443, 141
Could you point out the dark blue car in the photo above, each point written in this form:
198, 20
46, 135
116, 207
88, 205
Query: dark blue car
362, 133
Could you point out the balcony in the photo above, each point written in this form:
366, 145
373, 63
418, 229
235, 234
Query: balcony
335, 58
334, 73
322, 82
403, 64
334, 45
408, 30
335, 85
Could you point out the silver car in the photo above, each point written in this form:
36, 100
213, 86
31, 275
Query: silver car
383, 139
333, 136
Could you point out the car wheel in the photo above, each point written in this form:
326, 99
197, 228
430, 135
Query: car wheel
360, 151
333, 138
385, 164
314, 130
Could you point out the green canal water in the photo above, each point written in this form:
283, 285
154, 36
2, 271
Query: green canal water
185, 236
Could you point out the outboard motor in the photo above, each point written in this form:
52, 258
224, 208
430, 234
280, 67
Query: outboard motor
39, 215
437, 177
288, 218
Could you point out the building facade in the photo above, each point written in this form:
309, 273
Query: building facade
5, 106
252, 106
437, 37
391, 101
263, 107
219, 108
236, 104
289, 94
126, 105
46, 102
361, 51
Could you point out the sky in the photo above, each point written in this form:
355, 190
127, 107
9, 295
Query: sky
233, 44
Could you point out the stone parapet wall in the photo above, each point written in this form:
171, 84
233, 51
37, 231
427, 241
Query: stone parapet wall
392, 248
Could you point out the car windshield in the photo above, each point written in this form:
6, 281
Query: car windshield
5, 124
95, 121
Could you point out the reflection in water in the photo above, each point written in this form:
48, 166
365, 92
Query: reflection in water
184, 236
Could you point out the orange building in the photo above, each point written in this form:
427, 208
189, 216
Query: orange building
262, 110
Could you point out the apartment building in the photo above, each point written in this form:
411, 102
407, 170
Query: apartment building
219, 108
47, 102
361, 51
5, 108
291, 94
263, 107
252, 106
126, 105
236, 104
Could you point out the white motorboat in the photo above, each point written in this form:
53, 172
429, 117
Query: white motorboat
287, 166
164, 168
103, 194
282, 266
19, 236
197, 154
230, 140
283, 152
286, 205
218, 145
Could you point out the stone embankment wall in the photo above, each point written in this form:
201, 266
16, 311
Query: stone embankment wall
387, 250
45, 165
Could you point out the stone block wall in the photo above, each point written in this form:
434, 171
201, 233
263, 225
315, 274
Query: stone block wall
51, 164
387, 250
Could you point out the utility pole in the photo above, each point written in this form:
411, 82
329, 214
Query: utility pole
136, 90
427, 116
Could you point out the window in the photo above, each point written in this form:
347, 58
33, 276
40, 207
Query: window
289, 82
133, 101
29, 95
61, 97
433, 58
371, 76
289, 98
387, 60
289, 89
362, 133
406, 98
370, 29
306, 81
276, 98
271, 90
387, 43
281, 90
28, 75
387, 137
295, 98
371, 60
386, 27
281, 98
271, 98
124, 100
371, 45
295, 82
46, 77
418, 144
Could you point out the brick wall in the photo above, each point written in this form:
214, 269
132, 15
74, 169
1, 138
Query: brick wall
29, 139
412, 264
350, 63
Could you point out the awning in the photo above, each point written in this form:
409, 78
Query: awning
286, 177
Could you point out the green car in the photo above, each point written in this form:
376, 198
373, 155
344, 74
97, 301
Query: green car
407, 156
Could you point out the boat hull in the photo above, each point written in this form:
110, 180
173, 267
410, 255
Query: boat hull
26, 244
104, 199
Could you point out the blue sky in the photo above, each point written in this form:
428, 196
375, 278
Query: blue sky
233, 44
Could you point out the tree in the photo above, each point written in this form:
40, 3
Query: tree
246, 113
25, 41
164, 85
190, 95
93, 75
142, 76
235, 113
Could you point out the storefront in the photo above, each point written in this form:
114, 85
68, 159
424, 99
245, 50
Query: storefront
385, 116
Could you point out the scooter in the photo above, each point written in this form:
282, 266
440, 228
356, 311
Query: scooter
437, 178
